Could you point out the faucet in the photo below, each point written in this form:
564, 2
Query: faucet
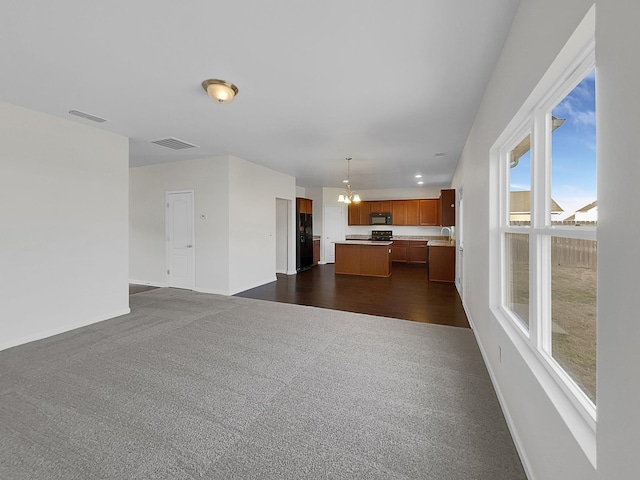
448, 236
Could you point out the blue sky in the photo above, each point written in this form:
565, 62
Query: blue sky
573, 168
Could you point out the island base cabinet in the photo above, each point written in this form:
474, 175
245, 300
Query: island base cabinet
368, 260
442, 264
409, 251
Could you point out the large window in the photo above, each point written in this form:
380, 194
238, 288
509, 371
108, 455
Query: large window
548, 225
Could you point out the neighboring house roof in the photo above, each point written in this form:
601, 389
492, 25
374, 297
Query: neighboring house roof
520, 202
584, 209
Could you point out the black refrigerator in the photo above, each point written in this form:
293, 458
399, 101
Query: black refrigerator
304, 247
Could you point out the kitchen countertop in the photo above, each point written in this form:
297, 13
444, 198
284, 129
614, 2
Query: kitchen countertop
419, 238
362, 242
441, 243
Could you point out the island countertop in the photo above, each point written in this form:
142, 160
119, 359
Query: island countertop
363, 242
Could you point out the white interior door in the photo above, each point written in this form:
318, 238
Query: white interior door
333, 229
180, 251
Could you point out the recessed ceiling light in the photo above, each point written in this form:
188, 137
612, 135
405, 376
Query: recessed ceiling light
420, 182
418, 176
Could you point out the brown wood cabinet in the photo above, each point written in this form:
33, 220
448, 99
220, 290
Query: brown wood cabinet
448, 207
417, 252
358, 213
399, 251
429, 211
413, 212
358, 259
405, 212
316, 251
409, 251
442, 264
365, 210
399, 212
380, 206
304, 205
425, 212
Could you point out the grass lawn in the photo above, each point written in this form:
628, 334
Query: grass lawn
573, 300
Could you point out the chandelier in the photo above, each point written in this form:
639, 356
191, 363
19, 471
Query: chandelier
348, 196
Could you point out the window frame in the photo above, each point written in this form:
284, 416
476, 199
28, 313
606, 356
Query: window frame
537, 336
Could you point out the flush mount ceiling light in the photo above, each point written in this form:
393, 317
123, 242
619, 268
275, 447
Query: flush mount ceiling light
219, 90
349, 196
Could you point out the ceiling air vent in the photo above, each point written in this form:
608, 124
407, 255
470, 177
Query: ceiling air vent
174, 143
88, 116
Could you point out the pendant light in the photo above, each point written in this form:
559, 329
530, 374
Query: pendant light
348, 196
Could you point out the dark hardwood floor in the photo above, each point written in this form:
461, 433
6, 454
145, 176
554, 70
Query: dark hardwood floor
406, 294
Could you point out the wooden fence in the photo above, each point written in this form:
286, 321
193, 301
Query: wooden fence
564, 251
569, 223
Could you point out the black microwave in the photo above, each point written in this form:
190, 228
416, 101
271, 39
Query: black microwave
379, 219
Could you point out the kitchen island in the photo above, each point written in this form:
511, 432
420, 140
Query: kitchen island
363, 257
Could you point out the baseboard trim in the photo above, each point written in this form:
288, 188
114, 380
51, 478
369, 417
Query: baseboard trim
150, 284
211, 291
526, 464
62, 329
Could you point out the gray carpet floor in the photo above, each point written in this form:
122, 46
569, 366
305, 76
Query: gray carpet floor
203, 386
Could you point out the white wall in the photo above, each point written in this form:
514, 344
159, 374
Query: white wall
618, 105
283, 235
63, 225
208, 178
549, 448
235, 246
252, 222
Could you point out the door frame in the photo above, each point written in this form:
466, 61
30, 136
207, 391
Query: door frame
460, 243
341, 229
193, 234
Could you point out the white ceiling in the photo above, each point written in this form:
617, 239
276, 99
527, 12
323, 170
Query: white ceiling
389, 83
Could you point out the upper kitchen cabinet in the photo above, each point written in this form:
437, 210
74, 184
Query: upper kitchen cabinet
399, 212
424, 212
405, 212
359, 213
413, 212
430, 212
380, 206
304, 205
448, 207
